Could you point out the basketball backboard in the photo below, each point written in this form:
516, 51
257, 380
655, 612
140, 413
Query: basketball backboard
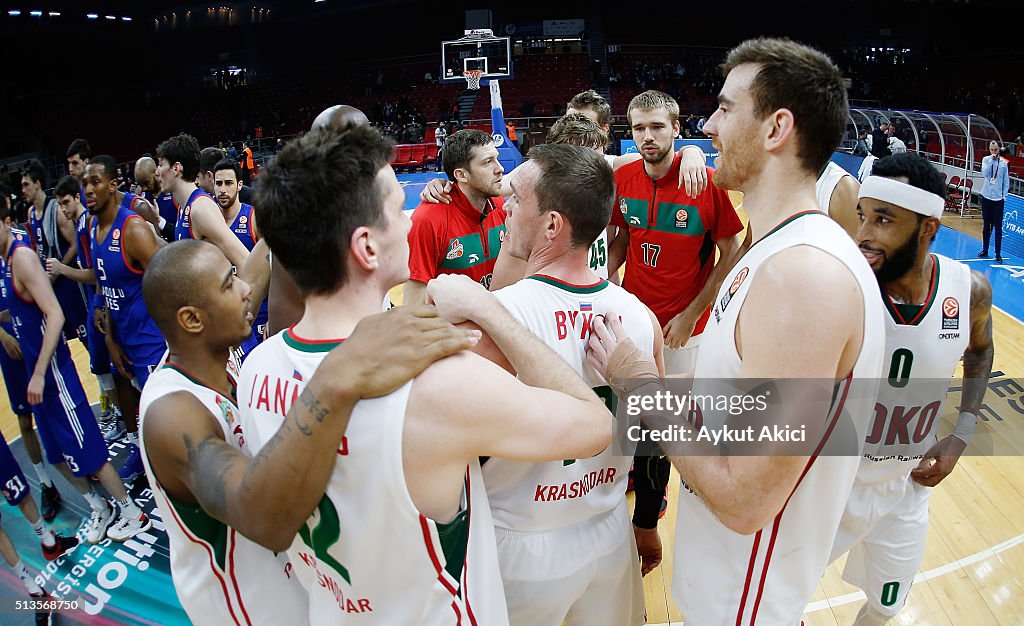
479, 50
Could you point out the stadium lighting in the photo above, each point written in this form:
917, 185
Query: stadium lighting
14, 13
36, 13
110, 17
92, 16
54, 14
126, 19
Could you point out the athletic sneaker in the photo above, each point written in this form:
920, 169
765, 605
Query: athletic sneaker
50, 501
124, 528
664, 505
61, 545
132, 465
111, 428
96, 525
44, 617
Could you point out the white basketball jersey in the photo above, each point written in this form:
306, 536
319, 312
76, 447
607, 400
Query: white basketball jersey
367, 555
557, 494
722, 577
220, 576
598, 256
922, 347
827, 183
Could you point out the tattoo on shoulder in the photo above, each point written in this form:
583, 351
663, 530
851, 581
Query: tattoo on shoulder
207, 463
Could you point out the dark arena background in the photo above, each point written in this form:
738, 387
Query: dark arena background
127, 75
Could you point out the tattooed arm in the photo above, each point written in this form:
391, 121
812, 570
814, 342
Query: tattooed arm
940, 460
267, 498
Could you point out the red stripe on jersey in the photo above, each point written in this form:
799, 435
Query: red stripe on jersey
232, 539
124, 228
836, 411
465, 562
209, 553
429, 541
750, 575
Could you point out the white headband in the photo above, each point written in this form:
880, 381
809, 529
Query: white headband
902, 195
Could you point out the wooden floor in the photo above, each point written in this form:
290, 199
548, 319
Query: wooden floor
973, 570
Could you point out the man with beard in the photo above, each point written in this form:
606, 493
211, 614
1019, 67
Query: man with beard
241, 219
668, 239
149, 185
885, 524
465, 236
122, 244
756, 522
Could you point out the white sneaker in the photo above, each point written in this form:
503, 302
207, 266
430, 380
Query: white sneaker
111, 429
124, 528
96, 525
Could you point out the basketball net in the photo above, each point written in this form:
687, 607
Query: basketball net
473, 79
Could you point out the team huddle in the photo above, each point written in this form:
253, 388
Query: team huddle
456, 460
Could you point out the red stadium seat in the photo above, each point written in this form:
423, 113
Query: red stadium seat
403, 156
419, 155
431, 153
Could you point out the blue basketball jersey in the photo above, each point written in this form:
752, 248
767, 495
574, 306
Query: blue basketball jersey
13, 370
84, 245
121, 286
242, 228
183, 228
48, 243
29, 325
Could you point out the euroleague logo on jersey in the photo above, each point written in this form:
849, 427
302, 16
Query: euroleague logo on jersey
681, 217
733, 288
950, 314
242, 220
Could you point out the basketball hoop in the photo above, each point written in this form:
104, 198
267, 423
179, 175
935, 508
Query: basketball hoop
473, 79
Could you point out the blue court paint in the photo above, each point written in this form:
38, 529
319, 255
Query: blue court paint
413, 184
1007, 278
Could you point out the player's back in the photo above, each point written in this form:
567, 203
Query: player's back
544, 496
368, 556
220, 576
922, 347
766, 578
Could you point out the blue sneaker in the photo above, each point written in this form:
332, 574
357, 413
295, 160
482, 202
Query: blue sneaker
132, 466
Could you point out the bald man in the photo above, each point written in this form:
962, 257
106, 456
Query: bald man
194, 448
149, 188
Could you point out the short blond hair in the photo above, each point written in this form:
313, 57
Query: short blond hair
653, 99
579, 130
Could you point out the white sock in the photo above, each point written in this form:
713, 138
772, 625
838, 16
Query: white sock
129, 509
133, 438
44, 476
95, 500
26, 578
106, 382
44, 534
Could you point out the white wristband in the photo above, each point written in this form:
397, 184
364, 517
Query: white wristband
965, 426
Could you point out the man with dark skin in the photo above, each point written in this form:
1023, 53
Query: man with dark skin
201, 461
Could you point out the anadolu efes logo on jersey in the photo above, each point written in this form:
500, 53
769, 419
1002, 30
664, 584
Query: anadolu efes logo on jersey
455, 251
950, 314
